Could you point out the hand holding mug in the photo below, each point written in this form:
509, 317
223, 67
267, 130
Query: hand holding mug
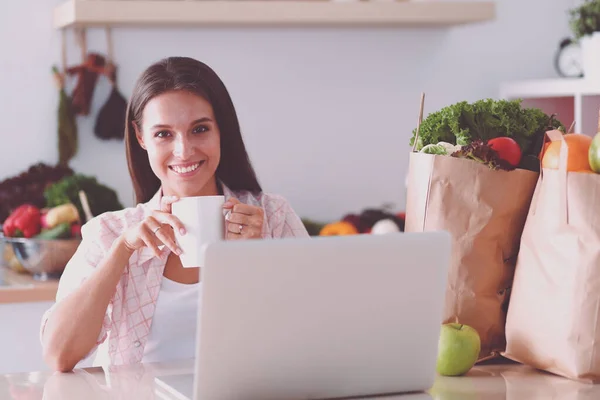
156, 230
243, 221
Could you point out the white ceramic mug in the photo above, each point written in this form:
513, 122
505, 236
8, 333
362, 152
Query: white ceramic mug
204, 222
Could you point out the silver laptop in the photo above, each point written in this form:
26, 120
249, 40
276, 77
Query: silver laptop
318, 318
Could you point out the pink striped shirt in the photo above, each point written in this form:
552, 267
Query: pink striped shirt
129, 314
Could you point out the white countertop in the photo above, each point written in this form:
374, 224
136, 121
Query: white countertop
497, 381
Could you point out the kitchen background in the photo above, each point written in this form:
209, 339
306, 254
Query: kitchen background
326, 112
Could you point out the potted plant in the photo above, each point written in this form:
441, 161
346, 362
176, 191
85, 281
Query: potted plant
585, 24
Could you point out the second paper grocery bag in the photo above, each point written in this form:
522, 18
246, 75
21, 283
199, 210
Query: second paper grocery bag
553, 321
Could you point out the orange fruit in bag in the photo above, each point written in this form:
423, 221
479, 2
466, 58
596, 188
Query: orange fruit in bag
579, 149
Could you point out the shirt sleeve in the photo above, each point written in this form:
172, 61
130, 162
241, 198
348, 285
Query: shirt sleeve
281, 220
96, 242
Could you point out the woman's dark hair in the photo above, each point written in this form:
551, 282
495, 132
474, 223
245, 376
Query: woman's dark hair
187, 74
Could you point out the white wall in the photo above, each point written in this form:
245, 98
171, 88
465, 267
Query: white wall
326, 113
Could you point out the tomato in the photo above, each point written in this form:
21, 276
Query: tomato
508, 150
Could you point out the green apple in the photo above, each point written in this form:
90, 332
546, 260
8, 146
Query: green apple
458, 349
594, 154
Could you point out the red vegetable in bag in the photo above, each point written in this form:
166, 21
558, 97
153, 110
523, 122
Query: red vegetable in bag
508, 149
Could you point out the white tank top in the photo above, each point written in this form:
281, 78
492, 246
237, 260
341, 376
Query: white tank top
173, 331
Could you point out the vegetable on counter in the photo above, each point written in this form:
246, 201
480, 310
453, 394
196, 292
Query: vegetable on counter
61, 222
76, 230
369, 221
25, 221
28, 187
101, 197
64, 213
61, 231
28, 221
340, 228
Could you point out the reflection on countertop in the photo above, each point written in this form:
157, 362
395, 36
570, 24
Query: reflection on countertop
23, 288
490, 382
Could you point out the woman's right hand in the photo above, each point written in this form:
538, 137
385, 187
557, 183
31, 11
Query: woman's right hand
155, 230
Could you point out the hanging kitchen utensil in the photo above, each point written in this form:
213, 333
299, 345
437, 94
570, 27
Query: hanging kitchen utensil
110, 122
67, 125
87, 76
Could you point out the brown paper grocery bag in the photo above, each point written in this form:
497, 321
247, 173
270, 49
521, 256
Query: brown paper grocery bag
484, 210
553, 321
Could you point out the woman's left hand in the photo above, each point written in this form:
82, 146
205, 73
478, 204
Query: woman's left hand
243, 221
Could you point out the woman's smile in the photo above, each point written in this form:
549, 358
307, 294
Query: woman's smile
186, 170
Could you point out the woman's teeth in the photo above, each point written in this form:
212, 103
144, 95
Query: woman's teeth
185, 170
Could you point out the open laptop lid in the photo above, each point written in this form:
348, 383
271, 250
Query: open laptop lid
321, 317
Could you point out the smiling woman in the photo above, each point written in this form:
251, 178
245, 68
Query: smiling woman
183, 150
121, 296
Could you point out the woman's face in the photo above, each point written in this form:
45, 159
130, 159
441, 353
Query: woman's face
182, 139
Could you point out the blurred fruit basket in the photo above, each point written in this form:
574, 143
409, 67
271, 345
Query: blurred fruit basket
9, 259
369, 221
43, 258
41, 213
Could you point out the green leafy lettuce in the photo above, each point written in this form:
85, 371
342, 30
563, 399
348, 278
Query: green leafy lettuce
101, 198
463, 122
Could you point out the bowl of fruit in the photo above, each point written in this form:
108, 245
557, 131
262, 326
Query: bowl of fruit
41, 213
41, 241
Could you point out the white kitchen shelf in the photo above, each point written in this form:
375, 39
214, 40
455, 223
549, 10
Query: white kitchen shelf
573, 99
415, 13
545, 88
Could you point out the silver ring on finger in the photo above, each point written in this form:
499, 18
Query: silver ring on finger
240, 230
156, 229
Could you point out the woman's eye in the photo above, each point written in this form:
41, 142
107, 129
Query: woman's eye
200, 129
162, 134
